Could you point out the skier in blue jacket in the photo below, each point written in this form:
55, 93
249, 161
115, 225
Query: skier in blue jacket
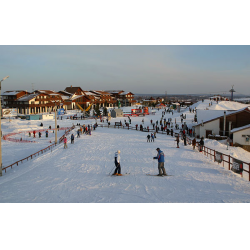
160, 157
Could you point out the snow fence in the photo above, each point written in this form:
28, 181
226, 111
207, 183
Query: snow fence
50, 147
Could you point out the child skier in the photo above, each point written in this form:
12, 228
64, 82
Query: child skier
117, 163
160, 157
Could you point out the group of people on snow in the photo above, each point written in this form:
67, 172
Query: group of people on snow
82, 130
165, 125
160, 157
151, 136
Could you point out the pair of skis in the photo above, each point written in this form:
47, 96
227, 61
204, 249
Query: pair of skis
159, 175
146, 174
120, 174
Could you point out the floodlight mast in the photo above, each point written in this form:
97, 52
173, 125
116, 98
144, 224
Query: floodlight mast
1, 125
5, 78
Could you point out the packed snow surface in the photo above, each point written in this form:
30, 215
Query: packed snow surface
221, 105
80, 173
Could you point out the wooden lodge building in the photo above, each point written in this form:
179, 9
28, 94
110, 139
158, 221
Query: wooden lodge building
125, 98
45, 100
32, 103
106, 98
85, 98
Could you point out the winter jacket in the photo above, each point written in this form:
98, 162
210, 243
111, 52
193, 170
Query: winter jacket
65, 140
160, 156
117, 157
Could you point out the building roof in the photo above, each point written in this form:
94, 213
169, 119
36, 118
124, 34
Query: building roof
126, 93
89, 93
72, 90
114, 91
78, 96
240, 128
62, 92
228, 113
13, 92
100, 92
27, 97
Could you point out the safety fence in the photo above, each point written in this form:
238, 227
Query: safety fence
67, 131
8, 136
130, 128
236, 165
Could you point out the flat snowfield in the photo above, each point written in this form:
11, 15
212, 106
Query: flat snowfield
80, 173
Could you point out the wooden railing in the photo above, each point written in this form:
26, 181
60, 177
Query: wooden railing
226, 159
67, 131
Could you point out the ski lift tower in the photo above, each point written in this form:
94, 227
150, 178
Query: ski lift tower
232, 93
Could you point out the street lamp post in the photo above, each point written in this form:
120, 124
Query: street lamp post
1, 126
55, 124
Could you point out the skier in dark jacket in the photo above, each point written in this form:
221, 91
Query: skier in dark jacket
117, 163
148, 138
185, 139
72, 138
201, 144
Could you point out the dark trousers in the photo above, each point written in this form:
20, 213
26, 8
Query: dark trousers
118, 168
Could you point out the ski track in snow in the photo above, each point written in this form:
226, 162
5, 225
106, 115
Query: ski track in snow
80, 172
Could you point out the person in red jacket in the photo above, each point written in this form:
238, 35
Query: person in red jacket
65, 142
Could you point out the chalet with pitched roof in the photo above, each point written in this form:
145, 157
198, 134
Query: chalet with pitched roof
125, 98
37, 102
223, 124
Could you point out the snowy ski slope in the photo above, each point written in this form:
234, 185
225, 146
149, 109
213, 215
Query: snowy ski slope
80, 173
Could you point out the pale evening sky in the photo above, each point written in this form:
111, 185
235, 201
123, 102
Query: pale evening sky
149, 69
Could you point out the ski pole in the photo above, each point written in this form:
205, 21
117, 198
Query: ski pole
111, 170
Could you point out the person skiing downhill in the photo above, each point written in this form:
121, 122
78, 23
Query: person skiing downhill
160, 157
117, 163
